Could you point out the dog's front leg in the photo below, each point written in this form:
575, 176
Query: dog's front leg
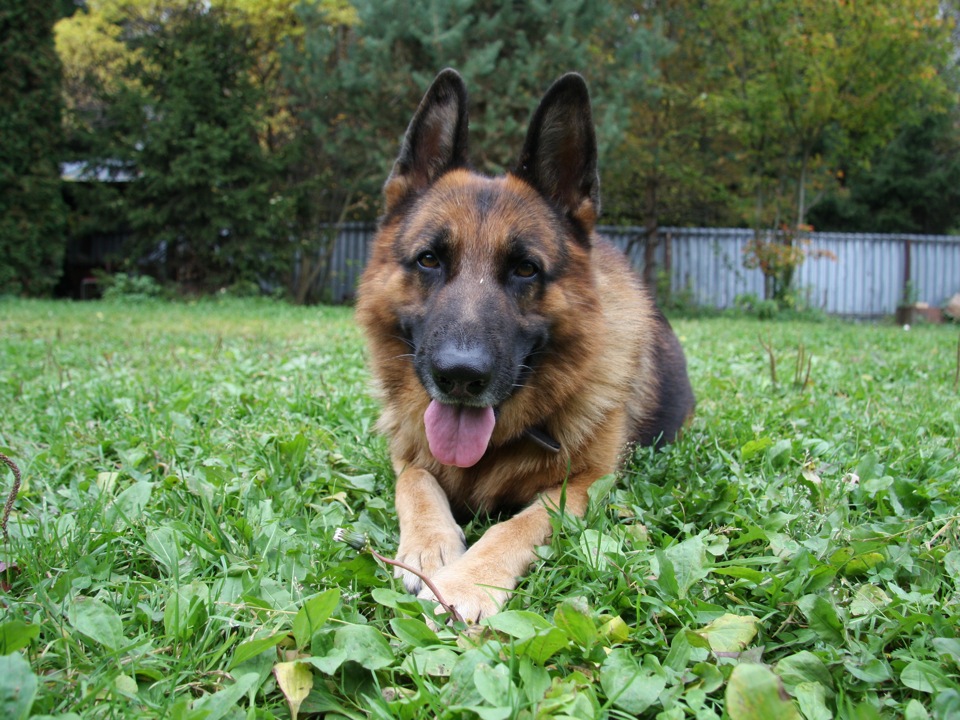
479, 583
429, 536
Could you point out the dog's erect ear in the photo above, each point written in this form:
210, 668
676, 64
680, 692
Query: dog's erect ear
436, 139
559, 156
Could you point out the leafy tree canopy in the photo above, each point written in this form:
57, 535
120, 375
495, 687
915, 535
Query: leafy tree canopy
32, 212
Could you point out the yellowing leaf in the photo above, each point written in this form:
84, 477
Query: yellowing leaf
615, 630
296, 681
755, 693
728, 633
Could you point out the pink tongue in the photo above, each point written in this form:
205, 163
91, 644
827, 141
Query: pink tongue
458, 435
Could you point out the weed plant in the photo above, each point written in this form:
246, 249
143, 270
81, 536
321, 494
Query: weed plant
185, 466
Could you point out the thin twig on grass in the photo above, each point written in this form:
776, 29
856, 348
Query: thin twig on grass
359, 542
956, 374
801, 380
773, 360
12, 497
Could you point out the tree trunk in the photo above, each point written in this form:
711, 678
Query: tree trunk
650, 232
802, 190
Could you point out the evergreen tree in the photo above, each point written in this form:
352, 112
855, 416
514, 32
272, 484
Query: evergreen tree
912, 186
32, 211
202, 194
353, 90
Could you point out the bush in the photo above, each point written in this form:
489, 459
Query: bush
131, 287
752, 305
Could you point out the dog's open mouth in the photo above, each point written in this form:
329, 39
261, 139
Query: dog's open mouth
458, 435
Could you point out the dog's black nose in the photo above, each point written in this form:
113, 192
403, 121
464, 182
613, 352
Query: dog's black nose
462, 373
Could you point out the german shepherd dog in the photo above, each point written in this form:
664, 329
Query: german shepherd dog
516, 354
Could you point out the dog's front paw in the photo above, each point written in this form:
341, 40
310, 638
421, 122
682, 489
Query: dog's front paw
428, 553
474, 595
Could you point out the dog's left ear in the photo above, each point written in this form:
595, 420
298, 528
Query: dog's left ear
435, 141
559, 156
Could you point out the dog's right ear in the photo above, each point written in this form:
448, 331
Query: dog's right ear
435, 142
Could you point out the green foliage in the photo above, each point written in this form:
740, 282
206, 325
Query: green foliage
202, 191
751, 304
808, 88
32, 211
352, 91
912, 186
130, 287
172, 554
261, 125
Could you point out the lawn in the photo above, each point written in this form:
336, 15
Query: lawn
171, 551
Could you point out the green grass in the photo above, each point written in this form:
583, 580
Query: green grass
795, 555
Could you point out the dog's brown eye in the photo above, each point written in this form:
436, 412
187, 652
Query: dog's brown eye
428, 261
526, 269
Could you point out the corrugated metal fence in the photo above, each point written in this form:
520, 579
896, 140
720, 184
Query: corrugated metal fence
866, 279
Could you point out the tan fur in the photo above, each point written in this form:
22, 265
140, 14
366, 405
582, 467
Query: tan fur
589, 392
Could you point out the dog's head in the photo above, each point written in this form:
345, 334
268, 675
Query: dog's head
478, 257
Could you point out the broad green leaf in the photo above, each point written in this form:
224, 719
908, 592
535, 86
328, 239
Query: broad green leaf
16, 635
755, 693
534, 680
596, 546
572, 697
542, 646
574, 618
517, 623
128, 506
486, 713
779, 453
312, 616
413, 632
872, 670
107, 482
754, 447
688, 559
869, 467
630, 686
803, 667
924, 676
388, 597
433, 660
96, 620
18, 687
220, 703
252, 648
680, 650
868, 599
598, 491
361, 644
728, 633
915, 711
126, 685
295, 680
947, 704
822, 617
812, 700
951, 563
494, 684
164, 544
186, 610
948, 646
666, 579
710, 675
